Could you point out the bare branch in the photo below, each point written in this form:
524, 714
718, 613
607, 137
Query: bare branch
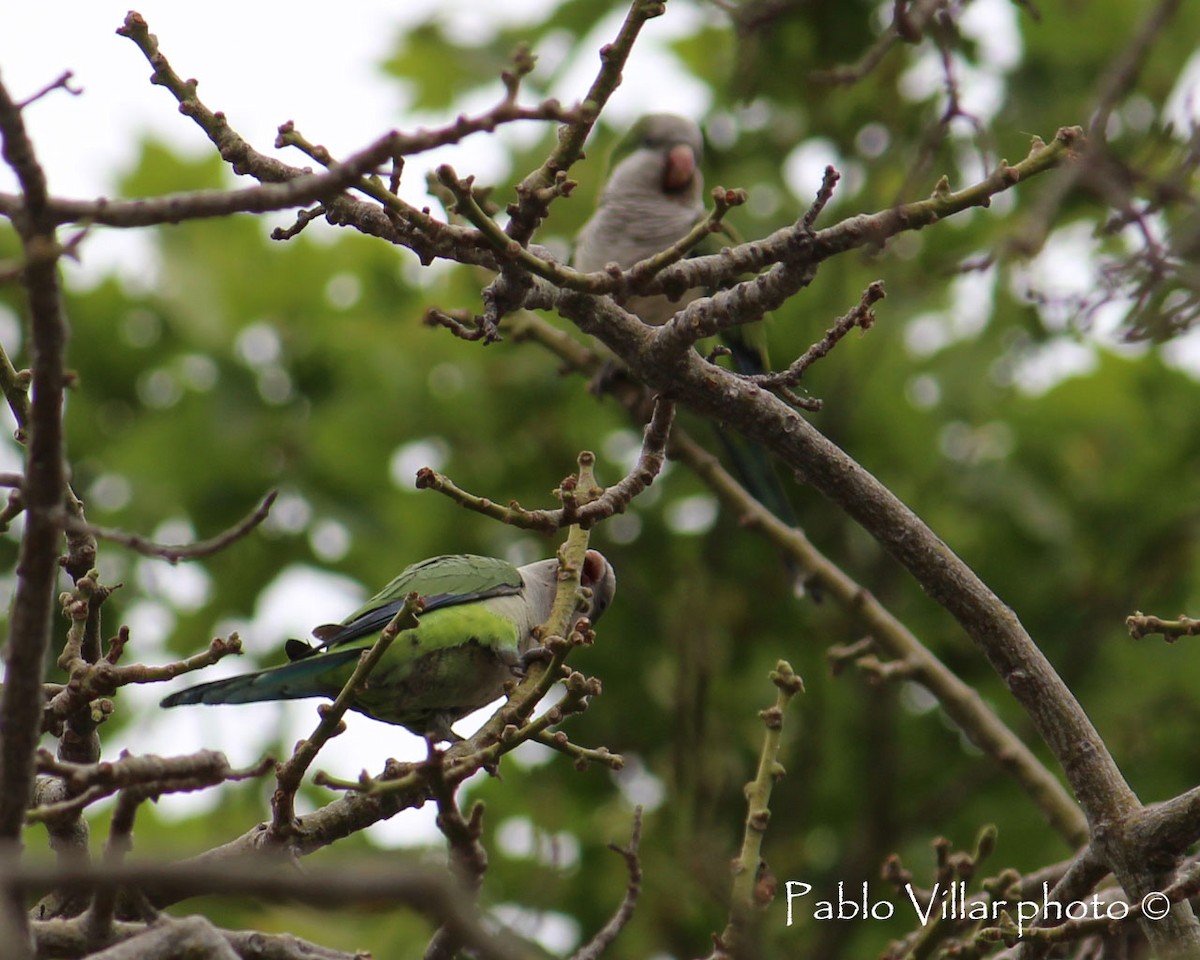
604, 503
147, 775
43, 491
429, 892
88, 681
63, 82
753, 885
290, 774
606, 935
861, 316
303, 189
908, 23
468, 859
173, 553
1145, 625
583, 756
962, 704
532, 197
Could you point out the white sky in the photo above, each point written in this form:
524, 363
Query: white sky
263, 68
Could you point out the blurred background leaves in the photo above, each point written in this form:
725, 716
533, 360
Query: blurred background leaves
1060, 462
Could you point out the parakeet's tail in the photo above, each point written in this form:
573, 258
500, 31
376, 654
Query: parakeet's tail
292, 681
752, 464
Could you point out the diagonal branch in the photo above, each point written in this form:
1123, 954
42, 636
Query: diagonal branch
960, 701
290, 774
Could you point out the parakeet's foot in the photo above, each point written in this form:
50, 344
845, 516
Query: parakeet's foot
521, 665
438, 730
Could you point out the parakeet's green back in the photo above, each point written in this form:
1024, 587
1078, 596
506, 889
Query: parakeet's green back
441, 582
461, 576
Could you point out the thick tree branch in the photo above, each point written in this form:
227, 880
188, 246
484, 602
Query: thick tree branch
1108, 801
430, 892
43, 492
960, 701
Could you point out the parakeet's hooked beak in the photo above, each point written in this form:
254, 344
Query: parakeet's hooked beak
679, 169
598, 576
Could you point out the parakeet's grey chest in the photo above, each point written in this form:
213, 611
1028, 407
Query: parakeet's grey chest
651, 201
630, 227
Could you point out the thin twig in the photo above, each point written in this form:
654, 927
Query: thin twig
753, 887
290, 774
604, 937
173, 553
63, 82
601, 505
1145, 625
861, 316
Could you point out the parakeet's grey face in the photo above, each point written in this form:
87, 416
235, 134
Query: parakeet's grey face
658, 159
668, 149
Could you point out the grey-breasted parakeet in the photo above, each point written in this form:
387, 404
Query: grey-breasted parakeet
652, 198
476, 627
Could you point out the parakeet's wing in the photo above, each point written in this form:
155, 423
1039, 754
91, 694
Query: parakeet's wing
441, 582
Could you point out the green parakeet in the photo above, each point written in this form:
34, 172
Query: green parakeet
652, 198
475, 629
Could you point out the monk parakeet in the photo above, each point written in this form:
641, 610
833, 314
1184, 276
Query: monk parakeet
653, 197
477, 624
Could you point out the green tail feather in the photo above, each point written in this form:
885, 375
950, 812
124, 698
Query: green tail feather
291, 681
752, 464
